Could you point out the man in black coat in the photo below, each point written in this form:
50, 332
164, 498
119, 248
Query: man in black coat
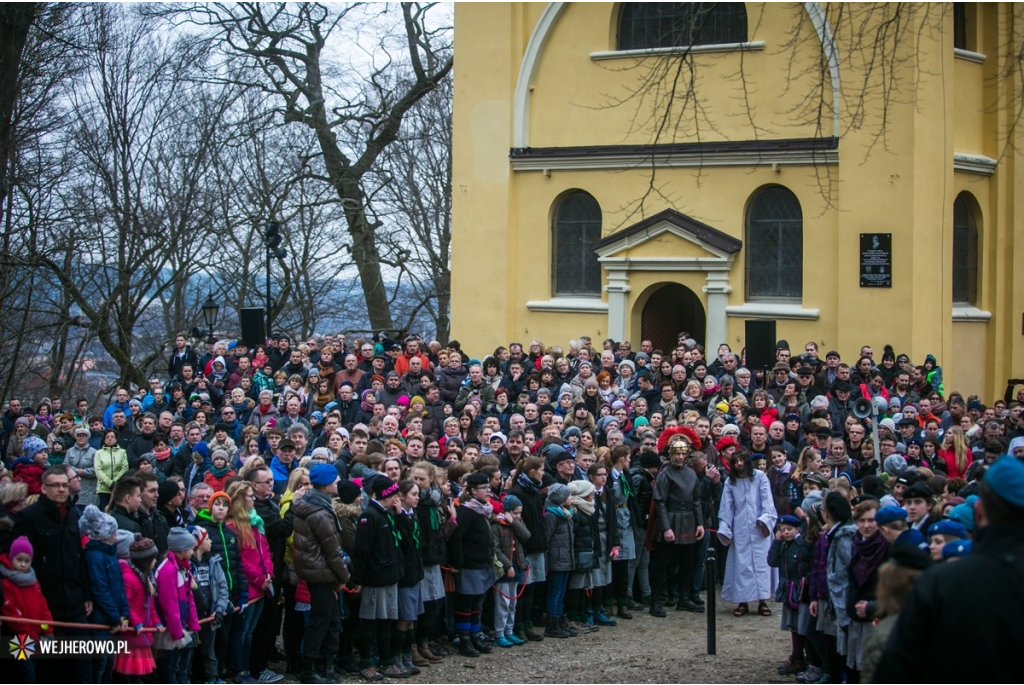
982, 590
142, 442
151, 521
51, 525
182, 354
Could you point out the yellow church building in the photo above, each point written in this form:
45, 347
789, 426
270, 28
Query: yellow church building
633, 170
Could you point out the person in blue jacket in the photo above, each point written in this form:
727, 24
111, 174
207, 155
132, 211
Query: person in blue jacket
110, 603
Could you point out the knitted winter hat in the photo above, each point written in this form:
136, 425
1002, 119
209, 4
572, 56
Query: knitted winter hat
199, 533
167, 490
180, 540
21, 545
32, 445
511, 502
557, 494
348, 492
96, 525
384, 487
124, 541
142, 548
581, 488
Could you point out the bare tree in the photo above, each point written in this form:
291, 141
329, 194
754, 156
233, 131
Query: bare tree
279, 49
415, 198
145, 139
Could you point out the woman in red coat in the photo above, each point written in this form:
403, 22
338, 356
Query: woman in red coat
955, 452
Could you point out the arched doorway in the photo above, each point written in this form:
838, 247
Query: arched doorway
669, 310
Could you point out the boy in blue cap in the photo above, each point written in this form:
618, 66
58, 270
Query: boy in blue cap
791, 554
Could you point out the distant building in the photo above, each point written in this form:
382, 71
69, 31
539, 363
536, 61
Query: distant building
760, 200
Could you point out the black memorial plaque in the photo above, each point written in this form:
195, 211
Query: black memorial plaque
876, 260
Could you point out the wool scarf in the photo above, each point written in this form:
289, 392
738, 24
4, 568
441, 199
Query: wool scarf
482, 508
19, 578
867, 555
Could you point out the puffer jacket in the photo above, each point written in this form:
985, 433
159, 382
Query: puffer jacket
110, 605
110, 463
23, 597
174, 596
558, 533
316, 540
449, 382
586, 552
225, 545
84, 461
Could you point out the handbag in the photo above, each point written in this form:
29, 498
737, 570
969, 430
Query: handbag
497, 568
797, 591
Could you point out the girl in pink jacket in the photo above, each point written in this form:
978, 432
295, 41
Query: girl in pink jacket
177, 607
137, 557
258, 567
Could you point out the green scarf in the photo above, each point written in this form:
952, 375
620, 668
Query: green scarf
559, 511
627, 487
256, 522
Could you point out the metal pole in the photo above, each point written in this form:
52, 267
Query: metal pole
710, 575
270, 314
874, 432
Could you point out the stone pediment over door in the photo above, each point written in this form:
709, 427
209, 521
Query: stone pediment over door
668, 241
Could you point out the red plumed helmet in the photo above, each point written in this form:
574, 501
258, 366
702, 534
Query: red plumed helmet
669, 433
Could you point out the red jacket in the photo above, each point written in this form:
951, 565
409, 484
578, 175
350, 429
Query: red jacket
24, 601
217, 483
402, 363
949, 456
30, 473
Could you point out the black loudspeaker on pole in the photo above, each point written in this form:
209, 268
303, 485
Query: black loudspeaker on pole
253, 331
760, 342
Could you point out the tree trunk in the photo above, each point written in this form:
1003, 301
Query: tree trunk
15, 22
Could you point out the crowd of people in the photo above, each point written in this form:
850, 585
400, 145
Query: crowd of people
377, 507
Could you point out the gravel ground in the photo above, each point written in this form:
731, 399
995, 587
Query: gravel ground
644, 650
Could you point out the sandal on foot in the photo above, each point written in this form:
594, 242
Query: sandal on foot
762, 608
741, 610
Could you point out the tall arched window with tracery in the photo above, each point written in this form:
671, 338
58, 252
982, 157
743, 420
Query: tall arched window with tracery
775, 246
649, 25
577, 231
965, 250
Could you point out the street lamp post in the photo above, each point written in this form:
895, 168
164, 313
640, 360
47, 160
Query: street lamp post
273, 238
210, 309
